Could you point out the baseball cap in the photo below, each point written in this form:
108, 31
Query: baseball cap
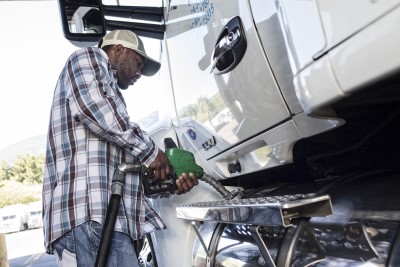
129, 39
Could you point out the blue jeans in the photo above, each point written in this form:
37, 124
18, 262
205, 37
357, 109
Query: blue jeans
79, 247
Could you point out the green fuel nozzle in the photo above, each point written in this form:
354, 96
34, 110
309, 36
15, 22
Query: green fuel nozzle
183, 162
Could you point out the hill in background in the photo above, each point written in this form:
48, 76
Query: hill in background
35, 145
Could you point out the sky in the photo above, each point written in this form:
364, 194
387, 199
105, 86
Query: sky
33, 52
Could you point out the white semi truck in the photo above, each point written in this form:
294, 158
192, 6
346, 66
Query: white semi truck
294, 102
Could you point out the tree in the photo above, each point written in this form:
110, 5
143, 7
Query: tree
4, 170
204, 109
188, 111
28, 168
217, 102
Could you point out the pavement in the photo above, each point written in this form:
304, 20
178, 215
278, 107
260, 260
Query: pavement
26, 249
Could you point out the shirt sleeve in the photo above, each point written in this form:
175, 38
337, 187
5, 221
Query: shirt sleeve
95, 101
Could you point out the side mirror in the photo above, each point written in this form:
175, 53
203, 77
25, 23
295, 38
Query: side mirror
82, 20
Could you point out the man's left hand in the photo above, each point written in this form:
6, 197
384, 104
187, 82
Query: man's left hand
185, 183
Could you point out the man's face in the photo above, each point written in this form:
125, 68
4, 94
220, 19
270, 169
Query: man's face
129, 68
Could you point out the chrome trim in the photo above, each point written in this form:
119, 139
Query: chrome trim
263, 248
196, 227
264, 211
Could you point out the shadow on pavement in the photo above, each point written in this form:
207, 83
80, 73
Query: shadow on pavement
34, 260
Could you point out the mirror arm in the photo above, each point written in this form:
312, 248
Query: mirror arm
134, 12
154, 31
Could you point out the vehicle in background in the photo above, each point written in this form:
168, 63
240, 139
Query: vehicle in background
14, 218
35, 215
295, 102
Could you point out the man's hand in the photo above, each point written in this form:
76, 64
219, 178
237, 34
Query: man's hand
185, 183
160, 166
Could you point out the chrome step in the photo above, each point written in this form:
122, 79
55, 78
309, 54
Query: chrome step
264, 211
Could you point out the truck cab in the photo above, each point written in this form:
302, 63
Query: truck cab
294, 104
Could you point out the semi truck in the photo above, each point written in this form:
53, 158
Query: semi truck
292, 106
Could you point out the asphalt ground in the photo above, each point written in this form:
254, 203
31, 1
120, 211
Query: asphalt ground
26, 249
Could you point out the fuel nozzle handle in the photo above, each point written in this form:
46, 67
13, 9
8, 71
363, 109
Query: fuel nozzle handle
183, 161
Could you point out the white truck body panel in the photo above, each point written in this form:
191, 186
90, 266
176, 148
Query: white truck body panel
254, 106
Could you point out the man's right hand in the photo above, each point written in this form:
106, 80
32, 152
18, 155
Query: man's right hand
160, 166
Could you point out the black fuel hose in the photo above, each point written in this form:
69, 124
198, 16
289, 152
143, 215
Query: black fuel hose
217, 186
108, 229
109, 224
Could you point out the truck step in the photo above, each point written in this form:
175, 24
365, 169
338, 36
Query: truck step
264, 211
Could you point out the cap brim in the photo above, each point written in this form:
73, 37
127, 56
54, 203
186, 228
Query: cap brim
151, 66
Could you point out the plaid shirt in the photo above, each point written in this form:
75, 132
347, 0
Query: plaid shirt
89, 135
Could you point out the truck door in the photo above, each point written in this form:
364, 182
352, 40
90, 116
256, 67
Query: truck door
224, 89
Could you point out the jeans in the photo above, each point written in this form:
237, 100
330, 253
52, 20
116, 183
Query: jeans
79, 247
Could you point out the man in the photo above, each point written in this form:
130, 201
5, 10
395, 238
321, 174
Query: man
89, 135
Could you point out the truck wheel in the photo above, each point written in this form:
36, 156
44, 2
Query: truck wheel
146, 255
